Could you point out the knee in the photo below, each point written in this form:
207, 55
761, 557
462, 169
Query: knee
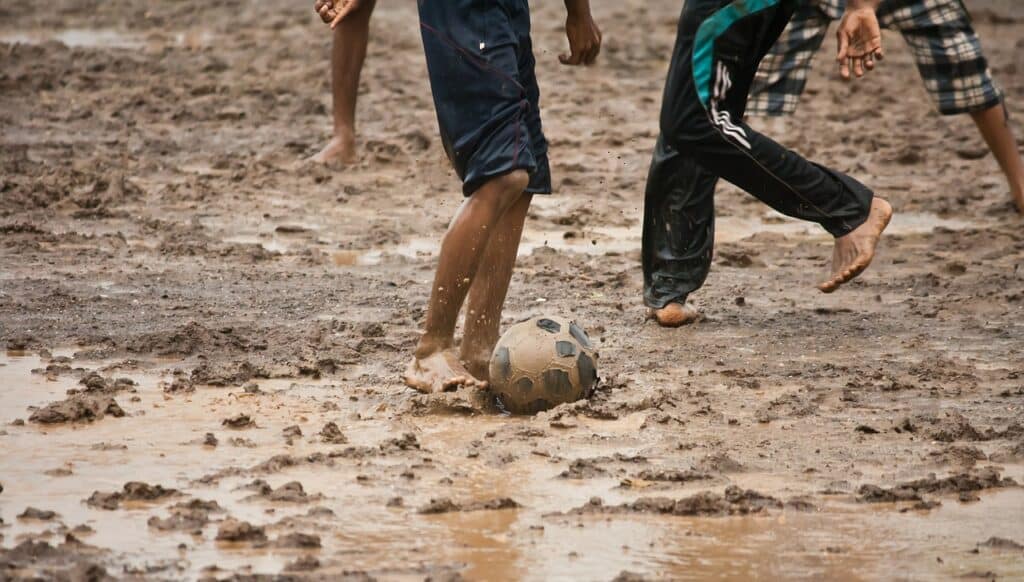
504, 190
512, 184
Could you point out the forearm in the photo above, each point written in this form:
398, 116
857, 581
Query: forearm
577, 7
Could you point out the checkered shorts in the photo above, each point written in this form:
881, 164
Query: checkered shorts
939, 33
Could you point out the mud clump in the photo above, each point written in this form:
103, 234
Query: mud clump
734, 501
133, 491
445, 505
95, 383
241, 531
191, 516
960, 483
584, 469
1002, 544
238, 422
37, 514
947, 428
673, 475
303, 564
38, 560
291, 492
77, 408
297, 540
331, 434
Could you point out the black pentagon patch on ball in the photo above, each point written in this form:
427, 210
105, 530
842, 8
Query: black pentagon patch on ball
549, 325
558, 382
588, 373
580, 335
565, 348
524, 385
504, 363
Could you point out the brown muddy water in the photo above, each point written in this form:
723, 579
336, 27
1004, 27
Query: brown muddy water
160, 441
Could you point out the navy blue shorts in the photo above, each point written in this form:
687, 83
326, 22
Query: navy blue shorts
481, 65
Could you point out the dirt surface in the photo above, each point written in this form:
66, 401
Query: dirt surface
205, 335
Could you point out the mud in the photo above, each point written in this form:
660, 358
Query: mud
169, 264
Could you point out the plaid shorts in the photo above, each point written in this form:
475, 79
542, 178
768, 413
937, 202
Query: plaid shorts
945, 46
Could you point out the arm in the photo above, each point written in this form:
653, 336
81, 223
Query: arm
584, 35
859, 37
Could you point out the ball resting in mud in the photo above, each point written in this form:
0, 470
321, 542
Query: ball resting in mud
541, 363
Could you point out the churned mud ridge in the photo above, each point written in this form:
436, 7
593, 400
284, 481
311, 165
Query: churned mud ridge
445, 505
734, 501
964, 484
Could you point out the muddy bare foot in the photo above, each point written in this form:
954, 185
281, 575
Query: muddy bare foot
854, 251
674, 315
340, 150
439, 372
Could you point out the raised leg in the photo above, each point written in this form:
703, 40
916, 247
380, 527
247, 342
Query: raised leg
348, 52
487, 295
435, 366
994, 125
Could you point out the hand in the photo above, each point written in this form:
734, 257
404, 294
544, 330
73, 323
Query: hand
334, 11
860, 42
325, 8
584, 40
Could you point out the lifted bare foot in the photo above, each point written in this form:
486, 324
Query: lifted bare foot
439, 372
674, 315
853, 252
340, 150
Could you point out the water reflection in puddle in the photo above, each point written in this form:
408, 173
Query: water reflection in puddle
75, 37
159, 442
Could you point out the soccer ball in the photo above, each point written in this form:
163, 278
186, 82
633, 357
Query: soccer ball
541, 363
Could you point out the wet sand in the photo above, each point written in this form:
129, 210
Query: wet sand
156, 225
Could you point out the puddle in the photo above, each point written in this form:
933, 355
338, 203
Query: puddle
109, 38
161, 436
592, 241
76, 37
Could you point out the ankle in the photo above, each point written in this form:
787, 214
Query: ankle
430, 345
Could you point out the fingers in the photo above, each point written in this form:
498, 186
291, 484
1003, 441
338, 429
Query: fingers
843, 55
349, 7
325, 8
570, 59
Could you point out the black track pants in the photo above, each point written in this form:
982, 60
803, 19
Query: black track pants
703, 138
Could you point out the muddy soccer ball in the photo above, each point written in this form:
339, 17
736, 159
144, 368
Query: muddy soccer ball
541, 363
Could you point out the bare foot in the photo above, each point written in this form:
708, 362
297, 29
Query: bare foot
340, 150
674, 315
439, 372
1018, 198
853, 252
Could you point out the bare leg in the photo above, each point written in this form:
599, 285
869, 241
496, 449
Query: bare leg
994, 125
853, 252
675, 315
487, 295
348, 52
435, 366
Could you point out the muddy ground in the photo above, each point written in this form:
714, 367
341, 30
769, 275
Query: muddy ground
204, 335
